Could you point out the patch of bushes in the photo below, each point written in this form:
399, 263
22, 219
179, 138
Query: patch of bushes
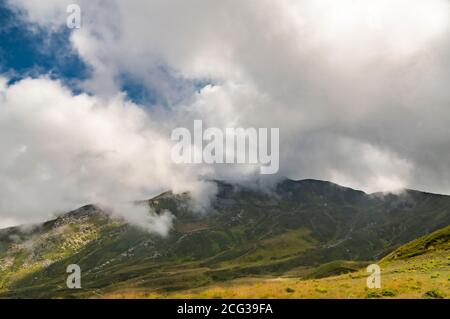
290, 290
388, 292
321, 290
374, 294
434, 294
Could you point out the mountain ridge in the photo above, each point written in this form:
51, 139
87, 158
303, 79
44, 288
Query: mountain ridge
169, 193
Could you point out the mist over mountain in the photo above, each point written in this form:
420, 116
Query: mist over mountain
358, 89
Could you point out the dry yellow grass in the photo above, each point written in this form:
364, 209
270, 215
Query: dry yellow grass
411, 278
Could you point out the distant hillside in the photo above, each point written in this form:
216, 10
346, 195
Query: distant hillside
299, 228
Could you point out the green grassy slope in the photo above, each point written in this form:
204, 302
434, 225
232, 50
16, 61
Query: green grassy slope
302, 228
418, 269
436, 241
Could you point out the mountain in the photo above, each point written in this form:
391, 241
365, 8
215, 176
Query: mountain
304, 228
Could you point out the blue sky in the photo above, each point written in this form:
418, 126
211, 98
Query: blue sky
33, 52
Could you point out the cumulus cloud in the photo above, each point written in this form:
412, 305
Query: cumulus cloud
359, 90
61, 150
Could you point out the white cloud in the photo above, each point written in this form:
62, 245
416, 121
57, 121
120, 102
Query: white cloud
358, 90
61, 151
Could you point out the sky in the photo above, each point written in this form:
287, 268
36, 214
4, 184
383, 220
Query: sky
359, 90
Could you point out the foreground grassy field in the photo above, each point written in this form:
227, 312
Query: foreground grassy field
419, 269
425, 276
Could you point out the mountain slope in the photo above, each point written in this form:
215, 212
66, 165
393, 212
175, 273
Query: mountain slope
436, 241
295, 228
418, 269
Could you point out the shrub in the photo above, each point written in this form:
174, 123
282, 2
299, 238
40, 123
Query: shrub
388, 292
373, 294
434, 294
290, 290
321, 290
